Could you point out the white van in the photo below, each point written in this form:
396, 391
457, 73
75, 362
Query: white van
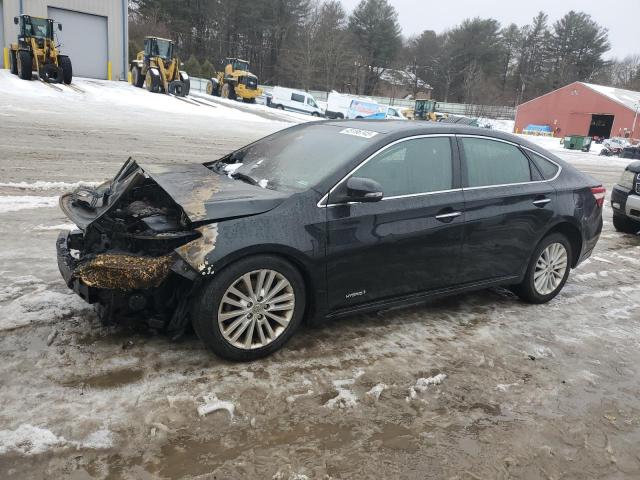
295, 101
338, 105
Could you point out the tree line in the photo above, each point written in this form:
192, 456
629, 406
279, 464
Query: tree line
316, 44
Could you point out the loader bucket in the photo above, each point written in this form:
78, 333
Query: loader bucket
178, 88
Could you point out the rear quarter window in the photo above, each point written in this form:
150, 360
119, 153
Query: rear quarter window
547, 169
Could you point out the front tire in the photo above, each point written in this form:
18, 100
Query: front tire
251, 308
624, 224
25, 65
67, 69
548, 270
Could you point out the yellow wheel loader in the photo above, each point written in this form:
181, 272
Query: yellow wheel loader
36, 51
158, 69
235, 81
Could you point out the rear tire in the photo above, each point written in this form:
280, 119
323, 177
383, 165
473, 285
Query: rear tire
13, 62
280, 107
211, 304
533, 288
137, 80
67, 69
152, 81
624, 224
25, 65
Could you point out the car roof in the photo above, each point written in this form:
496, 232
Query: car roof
396, 129
404, 128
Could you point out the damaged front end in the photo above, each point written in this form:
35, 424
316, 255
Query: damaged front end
146, 238
123, 256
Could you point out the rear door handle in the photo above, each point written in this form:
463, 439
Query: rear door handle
447, 217
542, 202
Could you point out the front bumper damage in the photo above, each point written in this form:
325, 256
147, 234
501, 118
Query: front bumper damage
113, 271
124, 284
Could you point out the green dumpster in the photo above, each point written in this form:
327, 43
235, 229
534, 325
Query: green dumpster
577, 142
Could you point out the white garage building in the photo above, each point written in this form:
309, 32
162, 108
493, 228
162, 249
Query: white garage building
94, 32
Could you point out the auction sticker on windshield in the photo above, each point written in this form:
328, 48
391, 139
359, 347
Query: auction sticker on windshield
356, 132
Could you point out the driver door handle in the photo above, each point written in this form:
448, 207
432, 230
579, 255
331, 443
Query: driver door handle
541, 202
447, 217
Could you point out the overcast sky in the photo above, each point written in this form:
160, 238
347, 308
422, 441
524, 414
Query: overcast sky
621, 17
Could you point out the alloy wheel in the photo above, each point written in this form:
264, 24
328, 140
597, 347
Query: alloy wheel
256, 309
550, 268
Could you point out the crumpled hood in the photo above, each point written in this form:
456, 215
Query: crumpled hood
206, 196
203, 195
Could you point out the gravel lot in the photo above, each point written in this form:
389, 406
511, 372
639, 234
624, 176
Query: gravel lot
478, 386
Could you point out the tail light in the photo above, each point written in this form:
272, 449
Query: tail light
598, 194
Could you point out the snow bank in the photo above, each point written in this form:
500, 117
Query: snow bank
499, 125
101, 95
13, 203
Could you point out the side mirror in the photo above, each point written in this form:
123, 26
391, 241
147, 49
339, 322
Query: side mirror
16, 20
360, 189
60, 26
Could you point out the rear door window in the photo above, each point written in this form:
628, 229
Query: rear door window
296, 97
491, 162
419, 165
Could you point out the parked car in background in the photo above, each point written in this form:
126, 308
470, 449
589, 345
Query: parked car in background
616, 144
388, 113
625, 200
324, 220
295, 101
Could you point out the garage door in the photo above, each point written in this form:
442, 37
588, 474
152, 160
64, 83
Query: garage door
84, 38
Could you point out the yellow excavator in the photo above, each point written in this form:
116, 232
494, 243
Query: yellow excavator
234, 81
36, 51
158, 69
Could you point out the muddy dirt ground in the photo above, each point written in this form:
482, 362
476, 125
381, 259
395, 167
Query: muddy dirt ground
514, 390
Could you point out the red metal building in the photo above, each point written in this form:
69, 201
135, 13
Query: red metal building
584, 109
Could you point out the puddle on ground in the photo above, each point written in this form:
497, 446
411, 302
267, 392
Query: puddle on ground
110, 379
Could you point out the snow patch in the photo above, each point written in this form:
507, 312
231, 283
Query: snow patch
42, 185
61, 226
212, 404
40, 306
376, 391
422, 384
28, 439
11, 203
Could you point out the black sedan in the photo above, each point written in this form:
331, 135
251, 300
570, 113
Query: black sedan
323, 220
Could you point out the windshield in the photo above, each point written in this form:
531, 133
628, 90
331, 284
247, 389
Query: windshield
163, 49
240, 65
37, 27
296, 159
